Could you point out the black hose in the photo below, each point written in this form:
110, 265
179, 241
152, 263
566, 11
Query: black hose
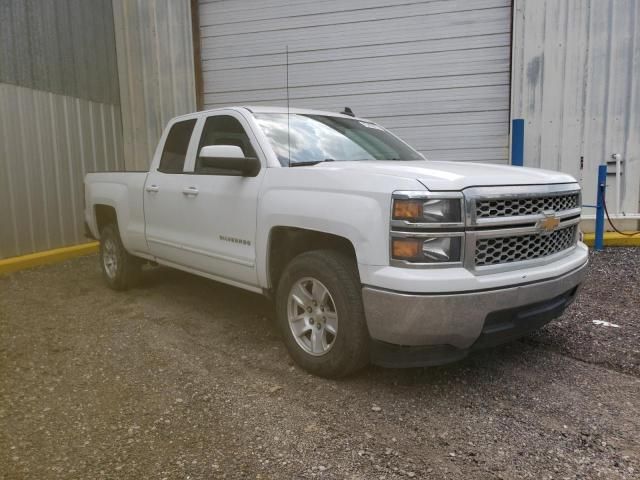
626, 234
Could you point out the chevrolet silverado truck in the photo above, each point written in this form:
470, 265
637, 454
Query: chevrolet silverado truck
370, 252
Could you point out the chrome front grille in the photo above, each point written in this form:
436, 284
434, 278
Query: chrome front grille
493, 251
513, 227
513, 207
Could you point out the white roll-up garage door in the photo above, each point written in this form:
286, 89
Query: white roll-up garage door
437, 72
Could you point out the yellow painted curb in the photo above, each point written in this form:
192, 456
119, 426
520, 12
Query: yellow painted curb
613, 239
14, 264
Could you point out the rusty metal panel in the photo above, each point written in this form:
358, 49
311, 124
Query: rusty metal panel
156, 71
576, 82
47, 144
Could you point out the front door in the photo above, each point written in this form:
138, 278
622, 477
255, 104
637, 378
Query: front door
220, 212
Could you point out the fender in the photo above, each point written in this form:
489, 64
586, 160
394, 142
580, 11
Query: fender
356, 212
123, 192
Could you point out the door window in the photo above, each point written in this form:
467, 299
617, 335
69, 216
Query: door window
224, 130
175, 147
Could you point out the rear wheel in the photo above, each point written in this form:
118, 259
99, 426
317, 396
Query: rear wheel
120, 269
320, 313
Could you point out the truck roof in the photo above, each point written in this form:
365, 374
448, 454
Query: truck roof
270, 109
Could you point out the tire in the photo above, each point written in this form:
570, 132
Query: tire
340, 344
120, 269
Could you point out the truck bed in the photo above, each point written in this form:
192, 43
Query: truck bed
123, 192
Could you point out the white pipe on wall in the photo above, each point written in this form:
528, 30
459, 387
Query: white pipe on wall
618, 159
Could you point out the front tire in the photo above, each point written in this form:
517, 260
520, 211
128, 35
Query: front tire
320, 314
120, 269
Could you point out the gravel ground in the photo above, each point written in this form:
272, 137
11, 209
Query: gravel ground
186, 378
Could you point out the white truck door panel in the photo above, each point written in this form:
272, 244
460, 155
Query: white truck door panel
220, 207
222, 224
167, 228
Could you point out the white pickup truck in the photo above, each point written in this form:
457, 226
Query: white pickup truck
371, 252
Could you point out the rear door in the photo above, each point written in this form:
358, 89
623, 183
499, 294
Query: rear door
165, 204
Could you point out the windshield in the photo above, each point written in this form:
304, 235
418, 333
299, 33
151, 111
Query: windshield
319, 138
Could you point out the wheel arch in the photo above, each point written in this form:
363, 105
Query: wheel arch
286, 242
104, 215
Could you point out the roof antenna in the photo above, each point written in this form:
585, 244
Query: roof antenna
288, 108
348, 111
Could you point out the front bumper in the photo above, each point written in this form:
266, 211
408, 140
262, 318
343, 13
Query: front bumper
445, 327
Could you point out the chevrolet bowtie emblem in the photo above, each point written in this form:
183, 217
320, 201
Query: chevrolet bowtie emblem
549, 223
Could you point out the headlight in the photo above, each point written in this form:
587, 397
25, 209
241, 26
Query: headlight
428, 249
427, 229
432, 209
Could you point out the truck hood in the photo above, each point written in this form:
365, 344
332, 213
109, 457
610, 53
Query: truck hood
450, 176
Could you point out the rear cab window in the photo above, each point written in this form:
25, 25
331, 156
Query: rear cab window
175, 148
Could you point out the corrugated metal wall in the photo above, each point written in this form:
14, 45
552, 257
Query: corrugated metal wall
576, 82
59, 117
47, 144
436, 72
156, 70
62, 80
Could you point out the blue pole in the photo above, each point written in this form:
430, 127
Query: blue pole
517, 142
602, 187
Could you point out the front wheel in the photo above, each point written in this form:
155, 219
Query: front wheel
121, 270
320, 313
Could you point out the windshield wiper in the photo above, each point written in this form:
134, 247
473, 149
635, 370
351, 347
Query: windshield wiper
313, 162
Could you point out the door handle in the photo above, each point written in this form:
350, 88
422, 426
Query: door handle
152, 188
190, 191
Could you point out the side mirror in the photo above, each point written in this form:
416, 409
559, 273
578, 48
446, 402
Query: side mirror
226, 160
